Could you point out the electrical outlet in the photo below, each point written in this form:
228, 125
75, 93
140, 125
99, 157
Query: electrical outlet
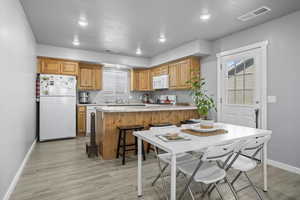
272, 99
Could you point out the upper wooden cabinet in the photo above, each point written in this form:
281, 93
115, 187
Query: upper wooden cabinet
90, 77
181, 71
141, 80
173, 73
69, 68
161, 70
57, 66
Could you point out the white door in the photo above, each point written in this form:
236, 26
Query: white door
240, 88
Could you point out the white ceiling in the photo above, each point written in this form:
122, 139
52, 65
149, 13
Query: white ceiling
123, 25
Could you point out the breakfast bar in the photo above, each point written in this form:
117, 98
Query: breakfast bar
110, 117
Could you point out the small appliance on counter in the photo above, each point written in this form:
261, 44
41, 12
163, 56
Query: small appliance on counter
166, 99
84, 97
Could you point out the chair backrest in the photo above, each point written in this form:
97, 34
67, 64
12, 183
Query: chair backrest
255, 143
217, 152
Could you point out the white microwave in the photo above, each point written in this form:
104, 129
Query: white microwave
160, 82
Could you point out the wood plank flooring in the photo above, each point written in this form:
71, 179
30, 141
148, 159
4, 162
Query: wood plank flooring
60, 170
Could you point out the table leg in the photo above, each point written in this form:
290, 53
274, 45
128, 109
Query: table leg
140, 181
265, 172
173, 177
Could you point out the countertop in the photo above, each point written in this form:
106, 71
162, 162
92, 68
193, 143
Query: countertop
110, 104
145, 108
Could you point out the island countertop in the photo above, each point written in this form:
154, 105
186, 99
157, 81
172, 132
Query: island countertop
147, 108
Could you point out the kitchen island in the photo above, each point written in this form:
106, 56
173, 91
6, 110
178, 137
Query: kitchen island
109, 118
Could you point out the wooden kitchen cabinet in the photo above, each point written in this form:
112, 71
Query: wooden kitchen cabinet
134, 85
50, 66
173, 73
141, 80
57, 66
181, 71
145, 80
69, 68
90, 77
160, 70
81, 120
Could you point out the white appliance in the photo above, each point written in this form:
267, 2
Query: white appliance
160, 82
57, 107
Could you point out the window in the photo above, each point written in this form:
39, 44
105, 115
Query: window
115, 84
240, 82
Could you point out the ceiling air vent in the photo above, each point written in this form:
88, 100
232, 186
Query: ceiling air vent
254, 13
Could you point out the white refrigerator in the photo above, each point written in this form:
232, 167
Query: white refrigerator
57, 107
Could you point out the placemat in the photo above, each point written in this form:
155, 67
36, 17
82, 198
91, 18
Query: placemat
217, 132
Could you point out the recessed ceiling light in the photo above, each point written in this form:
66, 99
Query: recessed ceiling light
162, 39
138, 51
205, 17
83, 22
76, 42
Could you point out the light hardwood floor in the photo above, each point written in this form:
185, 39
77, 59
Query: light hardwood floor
61, 170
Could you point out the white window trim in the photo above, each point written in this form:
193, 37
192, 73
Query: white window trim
263, 46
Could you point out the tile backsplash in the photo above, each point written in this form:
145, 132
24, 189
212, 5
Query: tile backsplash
183, 96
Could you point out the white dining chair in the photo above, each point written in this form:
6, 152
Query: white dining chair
244, 163
207, 169
165, 158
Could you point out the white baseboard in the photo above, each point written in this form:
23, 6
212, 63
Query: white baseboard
18, 174
284, 166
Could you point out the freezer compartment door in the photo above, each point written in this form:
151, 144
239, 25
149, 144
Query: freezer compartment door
57, 118
57, 85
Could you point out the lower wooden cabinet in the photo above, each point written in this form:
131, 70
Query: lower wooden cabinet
90, 77
81, 120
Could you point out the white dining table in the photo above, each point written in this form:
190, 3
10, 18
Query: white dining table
195, 143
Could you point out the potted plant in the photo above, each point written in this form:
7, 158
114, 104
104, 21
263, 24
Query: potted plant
203, 102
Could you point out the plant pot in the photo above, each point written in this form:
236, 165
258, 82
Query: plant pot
204, 123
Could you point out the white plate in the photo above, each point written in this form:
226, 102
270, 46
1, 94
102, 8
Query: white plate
196, 120
199, 129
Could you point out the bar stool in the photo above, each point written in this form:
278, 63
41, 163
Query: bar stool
149, 147
123, 130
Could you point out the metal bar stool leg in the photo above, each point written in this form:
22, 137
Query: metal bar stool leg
143, 151
124, 146
135, 145
148, 148
119, 143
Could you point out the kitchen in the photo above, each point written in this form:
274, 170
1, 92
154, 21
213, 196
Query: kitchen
108, 86
149, 100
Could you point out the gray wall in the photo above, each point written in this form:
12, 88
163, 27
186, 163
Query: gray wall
283, 80
17, 86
